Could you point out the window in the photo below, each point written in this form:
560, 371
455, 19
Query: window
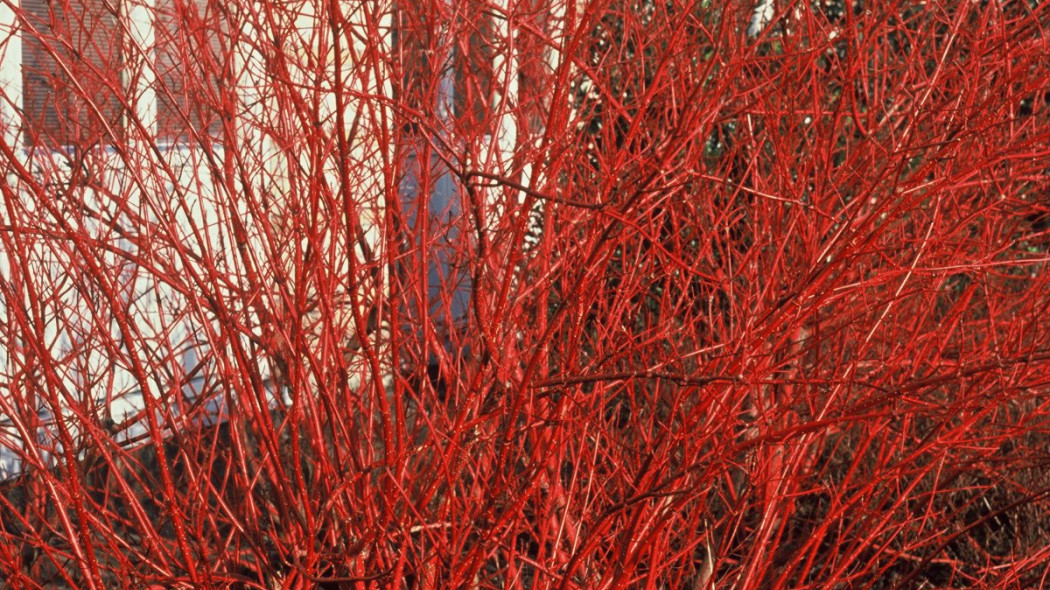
417, 40
87, 65
474, 55
446, 72
71, 72
189, 61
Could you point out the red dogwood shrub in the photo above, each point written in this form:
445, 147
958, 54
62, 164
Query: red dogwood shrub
494, 294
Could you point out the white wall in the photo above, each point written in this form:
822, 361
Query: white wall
159, 224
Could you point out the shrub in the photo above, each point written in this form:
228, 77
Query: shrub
490, 294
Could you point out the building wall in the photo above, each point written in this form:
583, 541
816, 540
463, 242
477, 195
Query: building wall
214, 207
142, 264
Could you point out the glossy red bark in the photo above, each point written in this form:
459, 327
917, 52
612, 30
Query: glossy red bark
660, 295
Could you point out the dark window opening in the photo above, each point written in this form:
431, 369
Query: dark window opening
417, 43
445, 75
474, 75
190, 66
